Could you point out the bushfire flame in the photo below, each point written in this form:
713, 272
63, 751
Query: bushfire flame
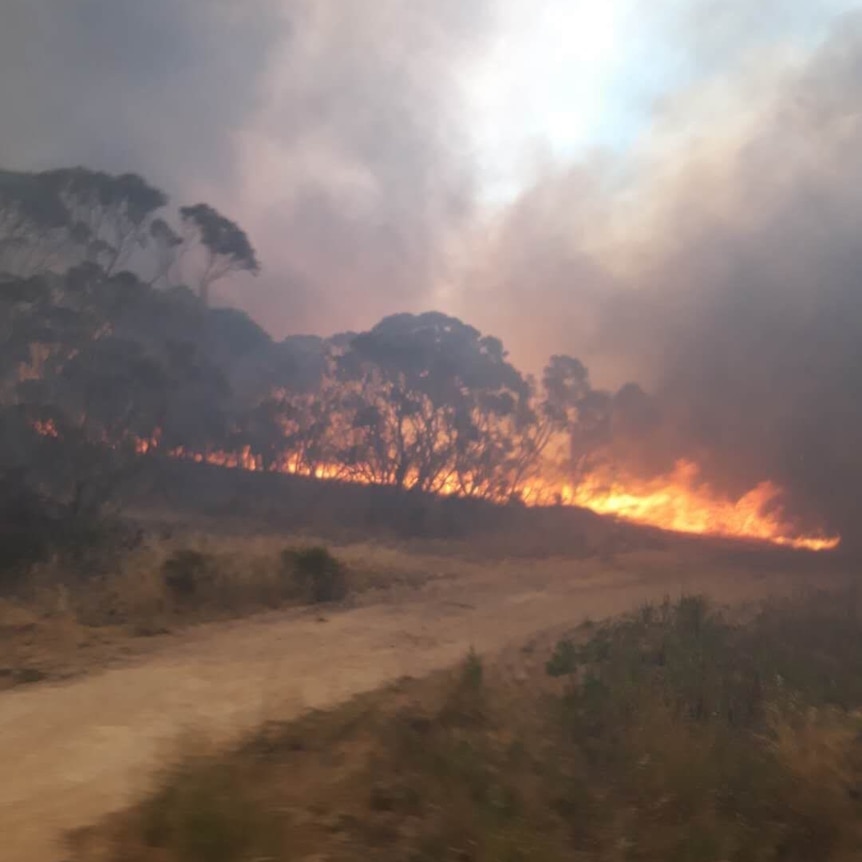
683, 503
48, 428
679, 501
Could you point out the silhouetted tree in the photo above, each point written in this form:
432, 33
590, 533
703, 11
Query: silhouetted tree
111, 216
224, 245
101, 353
51, 221
36, 233
165, 243
421, 390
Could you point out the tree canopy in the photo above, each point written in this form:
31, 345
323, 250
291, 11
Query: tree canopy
223, 245
51, 221
104, 348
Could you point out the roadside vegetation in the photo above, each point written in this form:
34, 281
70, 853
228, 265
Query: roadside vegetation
77, 598
679, 733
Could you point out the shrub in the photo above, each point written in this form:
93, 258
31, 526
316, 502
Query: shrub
465, 703
36, 528
472, 671
27, 524
318, 574
185, 572
682, 737
206, 812
564, 661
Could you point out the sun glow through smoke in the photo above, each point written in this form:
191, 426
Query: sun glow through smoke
541, 87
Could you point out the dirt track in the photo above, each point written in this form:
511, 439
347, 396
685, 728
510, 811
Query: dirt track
72, 752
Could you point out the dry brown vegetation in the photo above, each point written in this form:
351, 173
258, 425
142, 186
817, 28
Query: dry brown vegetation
677, 733
64, 617
183, 556
59, 622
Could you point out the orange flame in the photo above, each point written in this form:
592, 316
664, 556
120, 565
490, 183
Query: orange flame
245, 459
683, 503
46, 428
679, 501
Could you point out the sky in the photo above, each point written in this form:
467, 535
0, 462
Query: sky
669, 191
560, 78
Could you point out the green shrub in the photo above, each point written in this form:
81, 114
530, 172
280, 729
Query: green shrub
319, 576
564, 661
206, 812
472, 671
185, 572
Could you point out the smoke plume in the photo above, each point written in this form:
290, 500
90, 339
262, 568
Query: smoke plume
333, 131
720, 267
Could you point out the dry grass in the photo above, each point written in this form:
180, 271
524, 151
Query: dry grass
38, 644
59, 624
672, 735
242, 575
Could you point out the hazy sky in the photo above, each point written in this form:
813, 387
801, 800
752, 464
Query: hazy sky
370, 149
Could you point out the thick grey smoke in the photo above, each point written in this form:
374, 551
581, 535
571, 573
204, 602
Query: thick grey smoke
332, 131
159, 87
755, 291
724, 269
359, 172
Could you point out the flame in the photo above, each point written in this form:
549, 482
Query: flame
47, 428
680, 501
143, 445
245, 459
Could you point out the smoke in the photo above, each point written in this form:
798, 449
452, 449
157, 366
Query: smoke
333, 132
720, 265
752, 289
359, 173
159, 87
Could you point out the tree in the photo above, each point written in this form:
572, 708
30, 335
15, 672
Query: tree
423, 391
54, 220
196, 413
115, 388
35, 229
566, 383
224, 246
165, 244
566, 394
111, 215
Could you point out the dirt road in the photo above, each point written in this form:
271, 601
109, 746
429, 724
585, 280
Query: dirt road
72, 752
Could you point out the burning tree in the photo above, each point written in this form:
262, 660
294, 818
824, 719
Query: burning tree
423, 392
103, 359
